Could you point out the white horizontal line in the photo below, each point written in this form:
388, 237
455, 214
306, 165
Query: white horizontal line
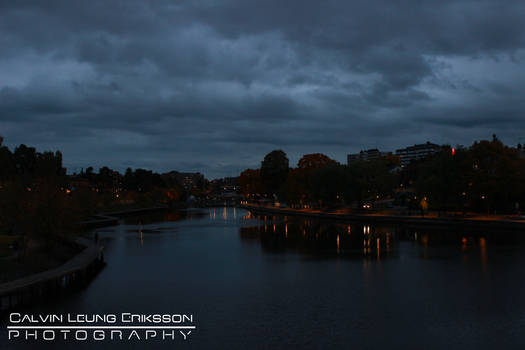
101, 327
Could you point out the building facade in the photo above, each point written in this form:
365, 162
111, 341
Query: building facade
369, 154
416, 152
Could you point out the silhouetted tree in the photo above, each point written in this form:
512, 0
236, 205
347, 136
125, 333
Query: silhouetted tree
25, 159
7, 166
301, 187
370, 180
443, 180
250, 182
328, 183
314, 161
274, 172
497, 181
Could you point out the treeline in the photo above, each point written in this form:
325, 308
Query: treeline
37, 197
139, 180
487, 177
26, 165
31, 195
318, 180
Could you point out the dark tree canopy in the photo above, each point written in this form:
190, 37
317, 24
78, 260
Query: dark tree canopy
314, 160
274, 171
250, 182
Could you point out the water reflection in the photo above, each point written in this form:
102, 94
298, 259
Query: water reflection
311, 236
167, 216
308, 236
418, 288
315, 237
141, 233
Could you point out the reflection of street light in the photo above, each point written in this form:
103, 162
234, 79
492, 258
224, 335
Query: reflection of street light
485, 203
424, 203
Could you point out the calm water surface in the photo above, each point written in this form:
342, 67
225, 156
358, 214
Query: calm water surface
281, 282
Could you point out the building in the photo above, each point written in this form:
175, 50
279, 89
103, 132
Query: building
188, 181
521, 151
416, 152
352, 158
369, 154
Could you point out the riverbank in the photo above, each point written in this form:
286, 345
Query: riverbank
78, 269
22, 256
33, 256
42, 274
478, 222
112, 218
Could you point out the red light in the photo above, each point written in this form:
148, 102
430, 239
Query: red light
453, 151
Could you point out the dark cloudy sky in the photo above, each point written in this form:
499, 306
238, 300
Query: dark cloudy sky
213, 86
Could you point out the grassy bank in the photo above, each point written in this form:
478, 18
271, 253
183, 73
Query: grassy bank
22, 256
39, 256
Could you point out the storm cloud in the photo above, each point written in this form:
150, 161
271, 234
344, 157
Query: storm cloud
212, 86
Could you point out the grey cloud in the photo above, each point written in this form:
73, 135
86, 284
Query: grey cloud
213, 86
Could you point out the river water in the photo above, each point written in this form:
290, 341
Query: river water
284, 282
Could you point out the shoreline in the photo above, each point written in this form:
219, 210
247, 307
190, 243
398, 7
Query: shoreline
81, 267
112, 218
419, 221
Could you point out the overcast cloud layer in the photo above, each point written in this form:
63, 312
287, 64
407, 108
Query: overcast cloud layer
212, 86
